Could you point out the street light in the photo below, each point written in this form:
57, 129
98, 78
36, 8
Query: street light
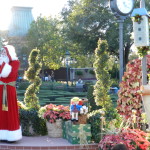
122, 10
67, 58
116, 62
24, 57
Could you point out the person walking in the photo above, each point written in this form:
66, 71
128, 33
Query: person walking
46, 76
10, 129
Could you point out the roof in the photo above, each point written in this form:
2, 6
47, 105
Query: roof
140, 11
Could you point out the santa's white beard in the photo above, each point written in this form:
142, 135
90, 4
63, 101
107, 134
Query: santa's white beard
5, 59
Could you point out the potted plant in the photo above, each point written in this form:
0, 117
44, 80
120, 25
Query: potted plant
131, 138
54, 115
31, 123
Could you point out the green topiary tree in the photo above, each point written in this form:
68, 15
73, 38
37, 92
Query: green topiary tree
32, 75
90, 97
103, 83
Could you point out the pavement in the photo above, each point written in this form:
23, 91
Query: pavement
39, 141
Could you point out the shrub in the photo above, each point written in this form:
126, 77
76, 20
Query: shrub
32, 75
103, 82
94, 120
92, 72
91, 101
29, 119
79, 73
22, 85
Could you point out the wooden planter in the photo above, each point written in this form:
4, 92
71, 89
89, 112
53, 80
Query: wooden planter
54, 129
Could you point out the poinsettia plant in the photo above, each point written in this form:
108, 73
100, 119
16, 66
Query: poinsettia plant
52, 112
132, 138
130, 93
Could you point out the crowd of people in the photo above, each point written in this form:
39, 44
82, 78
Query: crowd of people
47, 76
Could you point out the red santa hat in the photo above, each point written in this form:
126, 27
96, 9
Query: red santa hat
11, 53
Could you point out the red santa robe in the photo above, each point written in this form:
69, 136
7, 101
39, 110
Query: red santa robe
10, 129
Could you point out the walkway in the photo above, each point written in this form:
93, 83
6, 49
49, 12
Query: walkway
44, 143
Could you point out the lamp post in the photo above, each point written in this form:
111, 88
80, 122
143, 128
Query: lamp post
116, 61
67, 58
24, 57
122, 10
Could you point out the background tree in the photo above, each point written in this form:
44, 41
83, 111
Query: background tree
103, 83
85, 21
45, 34
32, 75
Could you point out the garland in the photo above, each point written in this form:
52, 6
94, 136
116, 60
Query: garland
137, 18
143, 50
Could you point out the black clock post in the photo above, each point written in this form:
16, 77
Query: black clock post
121, 9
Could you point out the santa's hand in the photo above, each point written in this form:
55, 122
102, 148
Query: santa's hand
1, 60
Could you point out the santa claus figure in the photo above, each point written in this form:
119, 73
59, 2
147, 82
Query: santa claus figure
10, 129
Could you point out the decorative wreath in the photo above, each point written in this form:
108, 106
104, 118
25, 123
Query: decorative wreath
138, 18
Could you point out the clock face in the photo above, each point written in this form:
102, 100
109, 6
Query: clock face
124, 6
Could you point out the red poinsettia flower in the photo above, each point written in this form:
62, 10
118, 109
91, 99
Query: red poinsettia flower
52, 112
129, 93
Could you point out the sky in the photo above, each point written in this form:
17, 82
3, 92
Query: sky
44, 7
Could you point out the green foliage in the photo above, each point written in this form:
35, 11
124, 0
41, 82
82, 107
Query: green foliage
31, 100
114, 83
45, 34
54, 95
22, 85
91, 101
88, 20
29, 119
142, 51
53, 86
95, 121
92, 72
103, 83
84, 25
82, 60
137, 18
79, 73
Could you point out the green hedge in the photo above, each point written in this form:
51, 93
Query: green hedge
94, 120
22, 85
28, 119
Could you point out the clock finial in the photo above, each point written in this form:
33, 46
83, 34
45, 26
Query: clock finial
142, 4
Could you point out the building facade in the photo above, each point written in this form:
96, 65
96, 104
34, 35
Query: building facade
20, 21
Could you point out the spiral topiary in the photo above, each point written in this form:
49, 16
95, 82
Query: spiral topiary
101, 88
32, 74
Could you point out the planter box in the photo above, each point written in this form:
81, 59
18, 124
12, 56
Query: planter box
55, 129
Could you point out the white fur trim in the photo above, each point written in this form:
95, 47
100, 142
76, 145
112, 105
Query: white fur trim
6, 70
11, 135
12, 52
